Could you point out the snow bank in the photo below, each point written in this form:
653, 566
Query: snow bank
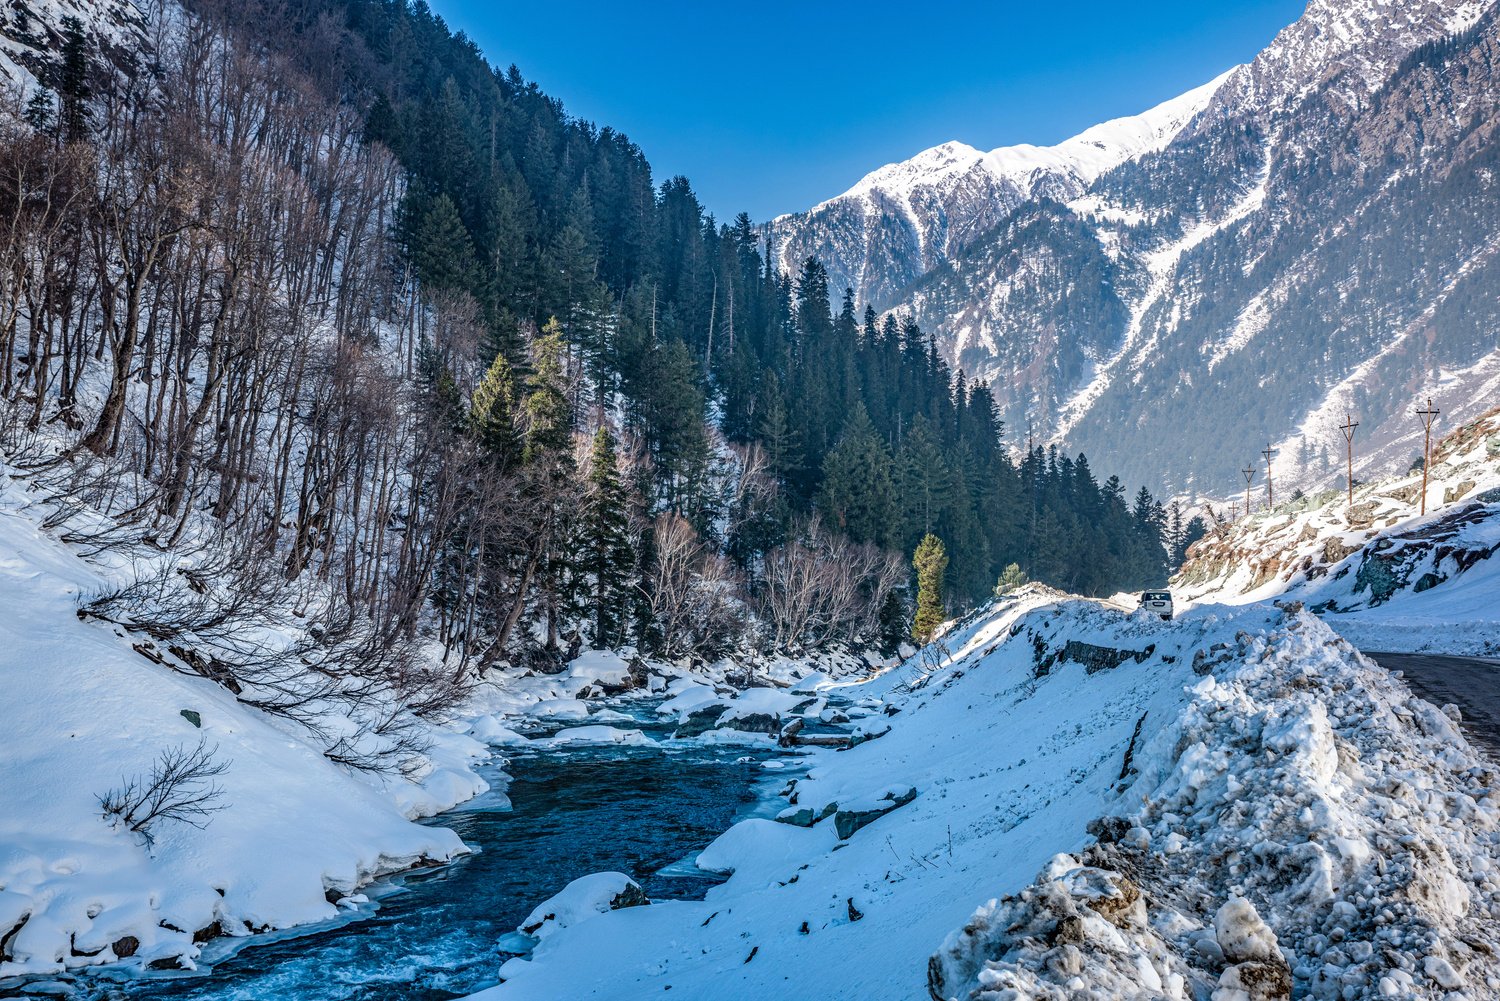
585, 897
596, 734
1305, 826
1228, 806
81, 712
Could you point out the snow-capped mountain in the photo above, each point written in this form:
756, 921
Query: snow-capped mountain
1352, 46
1311, 235
904, 219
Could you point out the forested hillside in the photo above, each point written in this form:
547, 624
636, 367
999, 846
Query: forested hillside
381, 335
560, 219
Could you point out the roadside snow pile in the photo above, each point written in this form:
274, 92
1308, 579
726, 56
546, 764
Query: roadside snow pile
1388, 577
1305, 829
286, 833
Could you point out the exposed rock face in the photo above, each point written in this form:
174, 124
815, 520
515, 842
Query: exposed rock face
31, 38
846, 822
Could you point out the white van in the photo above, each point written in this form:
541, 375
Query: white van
1159, 602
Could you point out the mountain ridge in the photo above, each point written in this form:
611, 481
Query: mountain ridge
1223, 262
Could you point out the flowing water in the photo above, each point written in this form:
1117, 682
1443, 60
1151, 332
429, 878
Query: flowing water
432, 935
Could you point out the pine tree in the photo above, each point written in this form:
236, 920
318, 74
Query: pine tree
781, 439
492, 413
438, 244
858, 496
73, 80
549, 415
607, 554
38, 113
926, 481
1011, 578
930, 561
1195, 529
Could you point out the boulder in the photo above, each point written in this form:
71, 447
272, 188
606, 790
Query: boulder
699, 721
1458, 492
754, 723
1336, 549
805, 816
846, 822
1102, 658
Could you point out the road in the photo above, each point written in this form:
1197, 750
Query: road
1471, 684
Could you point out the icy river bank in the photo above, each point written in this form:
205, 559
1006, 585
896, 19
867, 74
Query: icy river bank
553, 815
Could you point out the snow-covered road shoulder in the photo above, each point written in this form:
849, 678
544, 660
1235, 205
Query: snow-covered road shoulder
1232, 804
1304, 826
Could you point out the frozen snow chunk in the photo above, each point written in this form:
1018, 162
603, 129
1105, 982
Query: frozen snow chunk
764, 702
688, 698
604, 668
1241, 933
489, 730
584, 898
561, 709
597, 734
1442, 973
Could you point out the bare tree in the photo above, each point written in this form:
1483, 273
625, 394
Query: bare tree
690, 591
179, 787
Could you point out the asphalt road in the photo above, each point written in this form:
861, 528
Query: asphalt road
1472, 685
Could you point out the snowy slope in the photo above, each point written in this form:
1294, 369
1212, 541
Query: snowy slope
1245, 753
1384, 575
81, 711
31, 36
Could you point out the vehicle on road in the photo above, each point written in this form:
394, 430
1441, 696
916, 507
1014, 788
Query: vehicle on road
1159, 602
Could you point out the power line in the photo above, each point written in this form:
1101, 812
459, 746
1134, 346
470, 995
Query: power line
1269, 453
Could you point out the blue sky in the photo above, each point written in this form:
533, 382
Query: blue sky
772, 106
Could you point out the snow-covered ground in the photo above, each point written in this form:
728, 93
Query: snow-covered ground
1067, 799
1235, 797
1383, 574
81, 713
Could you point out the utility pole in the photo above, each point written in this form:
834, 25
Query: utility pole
1249, 472
1269, 453
1427, 416
1348, 428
